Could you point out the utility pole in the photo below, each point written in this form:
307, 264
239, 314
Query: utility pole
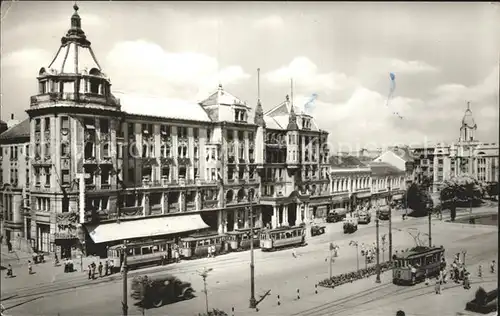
390, 224
377, 280
204, 275
124, 278
430, 227
253, 301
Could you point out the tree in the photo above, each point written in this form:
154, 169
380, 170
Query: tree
418, 199
492, 189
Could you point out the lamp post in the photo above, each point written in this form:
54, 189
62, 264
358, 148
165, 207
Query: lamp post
377, 280
204, 275
390, 224
124, 278
253, 301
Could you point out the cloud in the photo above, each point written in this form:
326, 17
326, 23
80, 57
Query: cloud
396, 65
26, 62
306, 77
270, 22
145, 65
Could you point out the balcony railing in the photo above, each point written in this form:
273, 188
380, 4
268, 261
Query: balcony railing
71, 96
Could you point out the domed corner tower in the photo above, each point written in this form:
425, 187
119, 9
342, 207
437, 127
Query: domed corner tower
74, 124
468, 127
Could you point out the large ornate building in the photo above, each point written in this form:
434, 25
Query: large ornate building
91, 167
441, 162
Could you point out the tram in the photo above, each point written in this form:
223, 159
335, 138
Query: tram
141, 253
239, 240
197, 246
283, 237
423, 260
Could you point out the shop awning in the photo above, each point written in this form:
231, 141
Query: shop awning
397, 197
148, 227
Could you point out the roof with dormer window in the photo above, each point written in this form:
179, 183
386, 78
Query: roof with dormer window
222, 97
279, 116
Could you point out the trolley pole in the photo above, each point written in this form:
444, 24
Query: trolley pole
253, 301
390, 225
124, 278
377, 280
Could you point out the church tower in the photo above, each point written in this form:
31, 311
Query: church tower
469, 127
74, 125
292, 139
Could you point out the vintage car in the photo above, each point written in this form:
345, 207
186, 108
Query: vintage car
350, 225
364, 217
317, 230
336, 215
384, 213
156, 291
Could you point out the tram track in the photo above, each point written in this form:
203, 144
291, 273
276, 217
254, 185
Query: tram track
337, 307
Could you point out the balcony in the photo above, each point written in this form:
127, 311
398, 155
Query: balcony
71, 96
210, 204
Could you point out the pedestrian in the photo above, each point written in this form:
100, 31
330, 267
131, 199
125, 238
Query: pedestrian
9, 245
10, 274
466, 281
90, 271
438, 286
294, 254
176, 255
214, 251
480, 271
56, 260
111, 267
426, 278
106, 267
93, 266
30, 267
99, 268
492, 266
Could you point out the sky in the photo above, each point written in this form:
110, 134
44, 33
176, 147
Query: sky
442, 55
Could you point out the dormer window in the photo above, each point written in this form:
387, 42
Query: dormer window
42, 87
94, 86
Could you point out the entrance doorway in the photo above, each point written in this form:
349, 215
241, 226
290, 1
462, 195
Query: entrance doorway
230, 221
43, 238
292, 214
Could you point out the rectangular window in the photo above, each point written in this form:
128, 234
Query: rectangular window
65, 177
196, 133
104, 125
130, 129
65, 122
47, 176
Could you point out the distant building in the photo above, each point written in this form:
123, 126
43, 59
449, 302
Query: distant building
441, 162
401, 158
386, 180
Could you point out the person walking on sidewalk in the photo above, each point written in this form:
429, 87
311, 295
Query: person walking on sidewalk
106, 267
30, 267
99, 268
437, 286
93, 266
492, 266
10, 274
90, 271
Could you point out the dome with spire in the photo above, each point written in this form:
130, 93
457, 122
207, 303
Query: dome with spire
75, 55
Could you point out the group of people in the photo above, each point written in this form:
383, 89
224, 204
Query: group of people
103, 270
353, 276
211, 251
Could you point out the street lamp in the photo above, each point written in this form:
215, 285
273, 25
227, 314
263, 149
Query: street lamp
377, 280
355, 244
204, 275
390, 224
253, 301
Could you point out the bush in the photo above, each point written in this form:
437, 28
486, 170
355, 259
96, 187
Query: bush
353, 276
214, 312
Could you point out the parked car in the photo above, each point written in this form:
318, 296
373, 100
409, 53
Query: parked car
155, 291
364, 217
384, 213
317, 230
336, 215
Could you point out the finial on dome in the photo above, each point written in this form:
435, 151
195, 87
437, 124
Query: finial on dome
287, 97
468, 105
75, 6
220, 85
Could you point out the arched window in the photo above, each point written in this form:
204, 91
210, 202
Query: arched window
105, 150
182, 151
229, 196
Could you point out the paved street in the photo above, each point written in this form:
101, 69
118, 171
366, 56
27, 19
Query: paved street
228, 283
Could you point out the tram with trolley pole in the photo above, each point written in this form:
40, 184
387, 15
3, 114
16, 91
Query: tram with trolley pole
196, 246
240, 239
141, 253
413, 266
282, 237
